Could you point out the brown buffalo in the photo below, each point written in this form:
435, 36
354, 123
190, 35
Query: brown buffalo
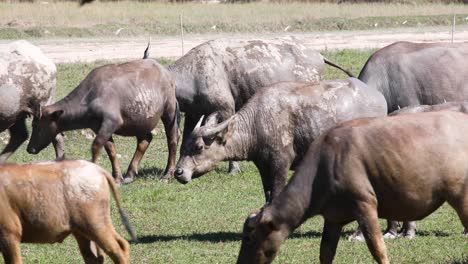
45, 202
126, 99
401, 167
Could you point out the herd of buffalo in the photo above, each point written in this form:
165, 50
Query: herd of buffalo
389, 144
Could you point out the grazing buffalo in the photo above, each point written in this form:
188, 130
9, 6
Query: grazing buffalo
222, 75
27, 79
125, 99
410, 74
275, 128
45, 202
360, 170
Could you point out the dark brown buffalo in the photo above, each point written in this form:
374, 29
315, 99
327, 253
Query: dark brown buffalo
222, 75
410, 74
365, 169
46, 202
27, 78
275, 128
125, 99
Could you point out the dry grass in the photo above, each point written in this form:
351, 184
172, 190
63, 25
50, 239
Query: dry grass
68, 14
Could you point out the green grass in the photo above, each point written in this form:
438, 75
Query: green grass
65, 19
200, 222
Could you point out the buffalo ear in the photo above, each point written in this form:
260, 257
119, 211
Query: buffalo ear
53, 114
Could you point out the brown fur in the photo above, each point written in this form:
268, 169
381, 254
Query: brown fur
402, 167
41, 203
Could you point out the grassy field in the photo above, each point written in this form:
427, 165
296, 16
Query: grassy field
200, 222
65, 19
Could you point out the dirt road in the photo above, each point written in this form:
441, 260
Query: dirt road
72, 50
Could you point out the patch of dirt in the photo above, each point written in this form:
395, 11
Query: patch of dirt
87, 50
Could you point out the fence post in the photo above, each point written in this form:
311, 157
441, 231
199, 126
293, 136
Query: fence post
182, 33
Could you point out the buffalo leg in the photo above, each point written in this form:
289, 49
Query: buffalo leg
189, 124
273, 185
142, 146
409, 229
112, 153
460, 204
85, 249
113, 244
170, 126
10, 248
59, 146
392, 229
18, 134
369, 223
330, 237
108, 127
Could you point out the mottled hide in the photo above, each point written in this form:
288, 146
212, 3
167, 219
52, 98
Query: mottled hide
275, 128
27, 78
409, 74
222, 75
400, 167
46, 202
126, 99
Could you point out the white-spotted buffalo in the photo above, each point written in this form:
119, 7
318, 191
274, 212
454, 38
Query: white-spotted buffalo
222, 75
365, 169
125, 99
46, 202
410, 74
27, 79
275, 128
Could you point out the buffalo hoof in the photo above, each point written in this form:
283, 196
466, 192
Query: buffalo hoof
166, 178
128, 180
390, 235
357, 236
234, 167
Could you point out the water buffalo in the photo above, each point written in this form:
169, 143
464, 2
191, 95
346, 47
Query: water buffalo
360, 170
125, 99
275, 128
45, 202
27, 78
410, 74
221, 75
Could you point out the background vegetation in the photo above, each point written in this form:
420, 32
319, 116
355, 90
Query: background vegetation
104, 19
200, 222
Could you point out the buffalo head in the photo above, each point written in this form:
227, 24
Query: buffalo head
204, 149
261, 238
44, 128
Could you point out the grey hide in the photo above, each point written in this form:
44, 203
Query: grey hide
27, 78
275, 128
221, 75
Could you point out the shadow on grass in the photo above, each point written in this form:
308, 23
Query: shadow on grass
435, 233
217, 237
150, 172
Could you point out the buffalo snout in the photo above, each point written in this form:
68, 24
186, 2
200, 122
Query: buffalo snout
181, 176
32, 150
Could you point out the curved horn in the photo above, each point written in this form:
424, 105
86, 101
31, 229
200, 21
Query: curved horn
199, 122
251, 220
209, 131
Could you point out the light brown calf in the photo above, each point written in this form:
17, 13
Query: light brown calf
45, 202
